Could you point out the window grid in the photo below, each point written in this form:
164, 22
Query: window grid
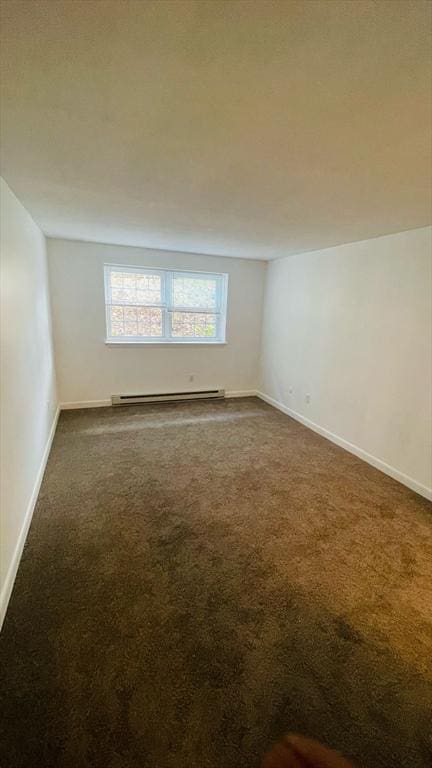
145, 305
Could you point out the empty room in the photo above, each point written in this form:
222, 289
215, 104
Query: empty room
216, 384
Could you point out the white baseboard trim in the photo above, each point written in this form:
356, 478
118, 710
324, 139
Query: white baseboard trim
85, 404
414, 485
241, 393
16, 557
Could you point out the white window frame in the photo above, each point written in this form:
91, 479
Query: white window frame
167, 307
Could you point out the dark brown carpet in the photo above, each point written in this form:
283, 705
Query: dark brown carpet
201, 577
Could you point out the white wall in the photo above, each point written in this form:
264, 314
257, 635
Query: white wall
27, 379
89, 370
351, 326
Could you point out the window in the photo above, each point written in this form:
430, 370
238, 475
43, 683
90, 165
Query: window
159, 305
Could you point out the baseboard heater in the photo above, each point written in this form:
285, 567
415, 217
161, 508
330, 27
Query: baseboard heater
166, 397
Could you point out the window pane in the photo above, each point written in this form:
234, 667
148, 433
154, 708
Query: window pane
135, 288
136, 321
193, 325
199, 292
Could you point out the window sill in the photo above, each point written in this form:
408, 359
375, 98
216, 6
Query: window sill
110, 343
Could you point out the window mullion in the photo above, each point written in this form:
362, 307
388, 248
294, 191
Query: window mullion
195, 310
168, 301
134, 304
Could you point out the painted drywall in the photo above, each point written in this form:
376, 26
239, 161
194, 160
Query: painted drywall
89, 370
234, 128
28, 390
351, 327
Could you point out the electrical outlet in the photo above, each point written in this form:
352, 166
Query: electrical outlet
308, 397
191, 377
291, 390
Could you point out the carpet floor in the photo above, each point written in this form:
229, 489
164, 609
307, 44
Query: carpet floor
200, 578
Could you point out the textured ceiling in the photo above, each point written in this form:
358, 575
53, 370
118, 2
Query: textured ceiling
251, 129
